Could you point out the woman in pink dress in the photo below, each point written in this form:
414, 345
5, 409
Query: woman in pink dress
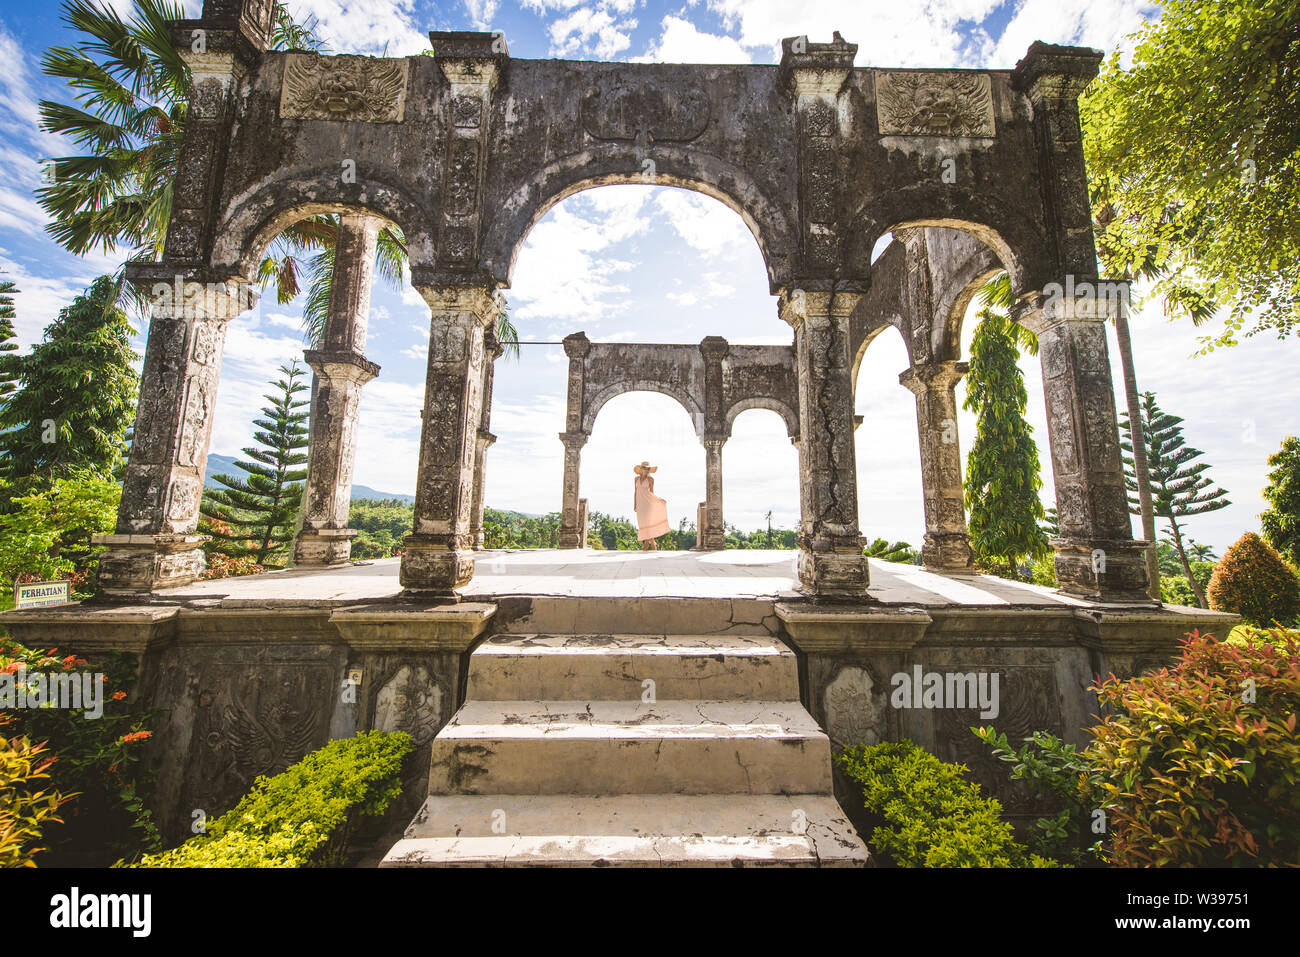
651, 510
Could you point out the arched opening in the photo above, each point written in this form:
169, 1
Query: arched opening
623, 264
636, 427
886, 444
760, 478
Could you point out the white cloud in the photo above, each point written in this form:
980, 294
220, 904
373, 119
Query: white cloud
365, 26
705, 223
681, 42
601, 29
481, 12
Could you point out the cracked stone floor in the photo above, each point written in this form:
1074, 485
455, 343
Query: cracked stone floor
594, 573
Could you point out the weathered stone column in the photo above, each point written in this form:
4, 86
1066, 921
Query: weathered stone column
576, 347
1096, 555
830, 545
341, 369
713, 536
439, 553
494, 351
934, 384
155, 544
571, 531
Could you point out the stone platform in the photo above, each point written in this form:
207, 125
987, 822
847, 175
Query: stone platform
527, 694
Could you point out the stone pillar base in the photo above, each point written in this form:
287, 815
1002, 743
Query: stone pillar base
433, 568
947, 552
139, 564
713, 540
839, 573
570, 537
1104, 570
323, 546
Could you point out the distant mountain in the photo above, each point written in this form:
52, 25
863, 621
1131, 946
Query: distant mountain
224, 464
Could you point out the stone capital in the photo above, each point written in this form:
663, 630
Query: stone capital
943, 374
577, 345
177, 291
1051, 74
483, 302
485, 438
573, 441
492, 344
798, 304
816, 69
713, 443
341, 366
714, 348
1087, 301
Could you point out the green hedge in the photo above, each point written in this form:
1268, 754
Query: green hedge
930, 814
303, 816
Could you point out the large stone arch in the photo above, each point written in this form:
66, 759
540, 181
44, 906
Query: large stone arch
552, 184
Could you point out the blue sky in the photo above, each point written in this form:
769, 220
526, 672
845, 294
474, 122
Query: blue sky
639, 263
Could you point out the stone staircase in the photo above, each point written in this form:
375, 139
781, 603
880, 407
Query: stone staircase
631, 750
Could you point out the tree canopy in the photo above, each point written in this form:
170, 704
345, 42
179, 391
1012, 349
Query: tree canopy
1194, 163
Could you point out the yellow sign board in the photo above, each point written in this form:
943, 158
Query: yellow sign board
37, 594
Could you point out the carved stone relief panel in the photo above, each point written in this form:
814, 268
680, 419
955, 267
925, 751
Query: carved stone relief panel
345, 88
934, 103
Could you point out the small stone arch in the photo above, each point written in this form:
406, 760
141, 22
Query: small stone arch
251, 224
598, 401
789, 414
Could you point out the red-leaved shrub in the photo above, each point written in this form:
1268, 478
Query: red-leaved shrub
1199, 764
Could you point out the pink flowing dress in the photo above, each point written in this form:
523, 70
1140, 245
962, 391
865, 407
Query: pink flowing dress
651, 510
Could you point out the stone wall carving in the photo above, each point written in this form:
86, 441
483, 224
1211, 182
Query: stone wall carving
938, 103
652, 113
345, 88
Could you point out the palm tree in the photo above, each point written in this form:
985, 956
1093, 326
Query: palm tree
131, 90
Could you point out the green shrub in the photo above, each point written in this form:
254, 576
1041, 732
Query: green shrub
1176, 590
1062, 774
303, 816
1199, 764
1254, 582
930, 815
24, 808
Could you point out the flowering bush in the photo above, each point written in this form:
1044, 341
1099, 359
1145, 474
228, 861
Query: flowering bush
98, 759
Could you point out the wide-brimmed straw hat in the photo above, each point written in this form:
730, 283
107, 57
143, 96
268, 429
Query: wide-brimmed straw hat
645, 468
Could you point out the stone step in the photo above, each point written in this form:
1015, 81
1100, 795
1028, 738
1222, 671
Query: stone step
629, 830
623, 747
616, 667
619, 615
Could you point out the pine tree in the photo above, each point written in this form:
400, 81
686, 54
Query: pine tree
8, 340
255, 516
1002, 469
75, 395
1178, 487
1281, 520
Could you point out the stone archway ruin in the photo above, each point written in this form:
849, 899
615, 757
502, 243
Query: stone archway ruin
714, 381
463, 150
